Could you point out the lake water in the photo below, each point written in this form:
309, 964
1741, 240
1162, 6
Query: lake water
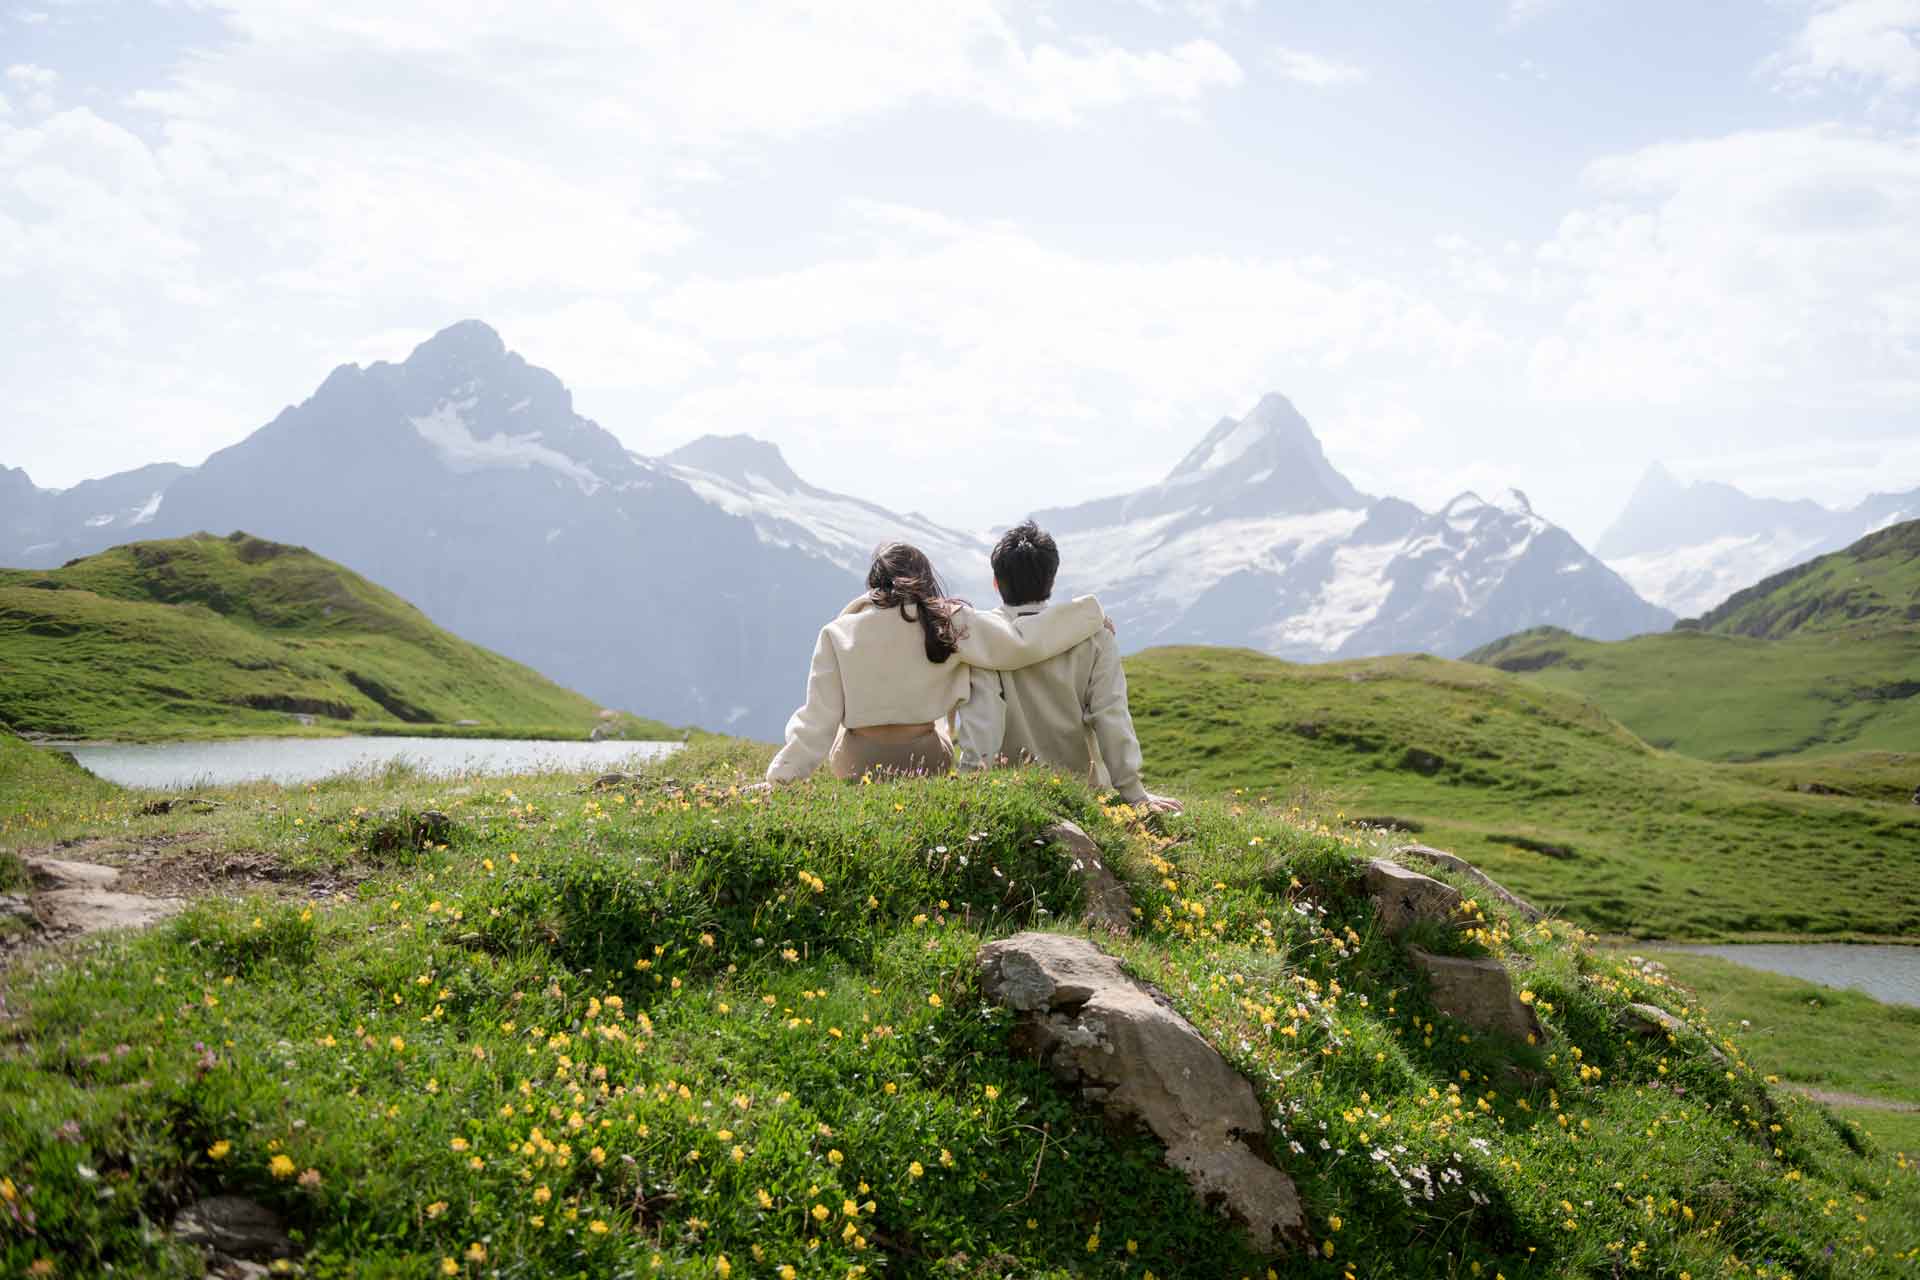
186, 764
1887, 973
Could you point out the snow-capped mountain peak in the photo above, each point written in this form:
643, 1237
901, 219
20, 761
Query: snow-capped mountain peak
1271, 432
741, 459
1255, 539
750, 478
1470, 505
1688, 546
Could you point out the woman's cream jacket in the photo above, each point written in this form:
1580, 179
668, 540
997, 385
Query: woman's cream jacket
870, 668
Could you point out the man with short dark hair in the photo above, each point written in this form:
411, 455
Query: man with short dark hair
1069, 711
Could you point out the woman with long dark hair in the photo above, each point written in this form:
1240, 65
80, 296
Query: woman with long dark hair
894, 664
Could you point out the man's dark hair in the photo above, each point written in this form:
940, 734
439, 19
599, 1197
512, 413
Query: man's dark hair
1025, 561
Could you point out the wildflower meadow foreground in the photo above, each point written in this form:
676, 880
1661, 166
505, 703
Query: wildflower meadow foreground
659, 1027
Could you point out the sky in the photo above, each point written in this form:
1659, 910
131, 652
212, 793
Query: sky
977, 257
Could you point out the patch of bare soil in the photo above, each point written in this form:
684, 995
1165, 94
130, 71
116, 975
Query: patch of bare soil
86, 886
1838, 1098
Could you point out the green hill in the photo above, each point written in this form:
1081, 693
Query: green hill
1733, 697
1874, 583
1547, 792
201, 635
1821, 660
560, 1042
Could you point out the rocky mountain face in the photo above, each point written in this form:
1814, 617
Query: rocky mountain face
1688, 547
689, 587
463, 480
1255, 540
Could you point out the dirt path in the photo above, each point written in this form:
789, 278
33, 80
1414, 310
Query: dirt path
1838, 1098
88, 886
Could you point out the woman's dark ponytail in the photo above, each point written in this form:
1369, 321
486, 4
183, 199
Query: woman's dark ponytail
902, 576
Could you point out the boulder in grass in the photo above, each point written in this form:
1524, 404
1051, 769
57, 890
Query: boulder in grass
1125, 1047
1403, 898
1459, 865
233, 1226
1478, 991
1108, 905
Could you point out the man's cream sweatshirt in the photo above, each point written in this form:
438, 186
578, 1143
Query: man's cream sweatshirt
1069, 711
870, 668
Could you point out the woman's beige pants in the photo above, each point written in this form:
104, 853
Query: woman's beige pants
890, 749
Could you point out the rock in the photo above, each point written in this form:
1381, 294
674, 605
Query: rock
233, 1225
1478, 991
95, 910
1108, 905
1453, 862
1126, 1048
78, 897
54, 873
237, 1269
1401, 897
16, 908
609, 780
1650, 1022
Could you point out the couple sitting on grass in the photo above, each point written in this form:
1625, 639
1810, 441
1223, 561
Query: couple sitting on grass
906, 678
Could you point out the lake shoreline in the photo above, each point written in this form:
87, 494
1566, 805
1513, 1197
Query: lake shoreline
1888, 972
180, 764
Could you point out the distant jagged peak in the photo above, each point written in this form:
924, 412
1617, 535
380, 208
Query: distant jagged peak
743, 459
469, 338
1512, 502
1657, 480
1272, 427
1266, 462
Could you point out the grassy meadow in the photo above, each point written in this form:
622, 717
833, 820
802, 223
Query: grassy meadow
1730, 697
1817, 662
678, 1029
1548, 793
206, 636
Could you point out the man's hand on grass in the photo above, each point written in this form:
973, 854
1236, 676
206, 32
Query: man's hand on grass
1164, 804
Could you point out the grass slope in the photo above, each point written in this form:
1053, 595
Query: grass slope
1733, 697
1817, 1038
202, 635
682, 1031
1873, 583
1822, 659
1545, 791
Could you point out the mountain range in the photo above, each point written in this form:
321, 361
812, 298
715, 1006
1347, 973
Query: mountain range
1687, 547
689, 586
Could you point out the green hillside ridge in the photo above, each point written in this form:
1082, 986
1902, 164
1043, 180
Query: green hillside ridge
199, 636
1821, 660
680, 1030
1875, 582
1545, 791
1732, 697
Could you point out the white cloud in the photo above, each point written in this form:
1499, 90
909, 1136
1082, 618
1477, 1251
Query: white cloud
34, 83
1519, 11
1776, 259
1875, 43
1211, 14
334, 172
1312, 69
979, 332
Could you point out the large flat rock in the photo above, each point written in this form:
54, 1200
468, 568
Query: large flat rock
1478, 991
1124, 1046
